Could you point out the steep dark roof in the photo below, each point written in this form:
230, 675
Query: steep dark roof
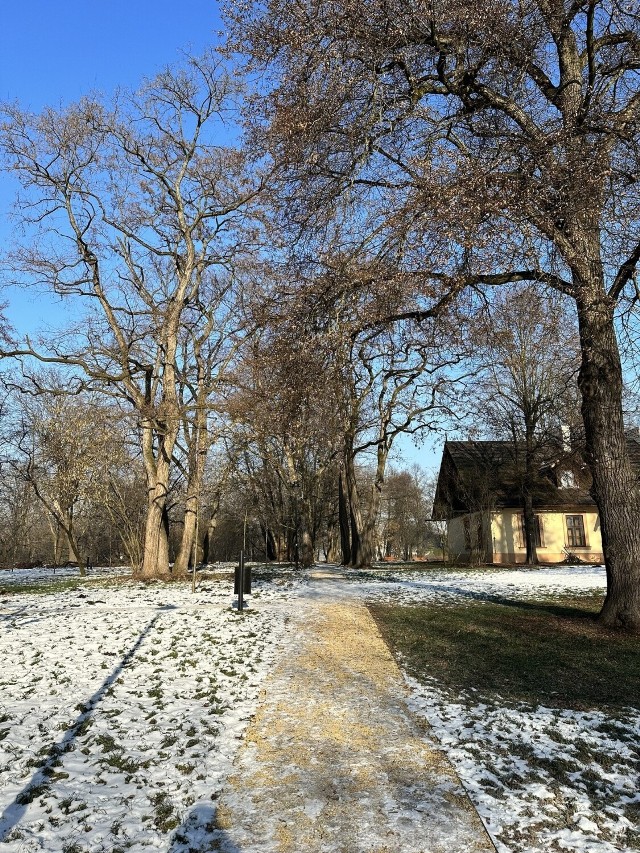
476, 475
633, 447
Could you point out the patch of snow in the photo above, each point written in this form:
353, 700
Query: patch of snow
510, 760
122, 711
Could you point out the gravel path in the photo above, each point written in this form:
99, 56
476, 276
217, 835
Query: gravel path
334, 761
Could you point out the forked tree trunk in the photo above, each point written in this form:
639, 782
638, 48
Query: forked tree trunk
72, 545
155, 555
73, 551
189, 530
155, 559
615, 484
368, 536
63, 518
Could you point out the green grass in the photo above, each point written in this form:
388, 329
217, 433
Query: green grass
541, 652
44, 587
53, 584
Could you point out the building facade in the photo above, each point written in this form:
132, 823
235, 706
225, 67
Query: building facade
480, 498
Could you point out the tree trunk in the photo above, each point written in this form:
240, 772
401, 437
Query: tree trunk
306, 547
185, 553
64, 517
355, 514
155, 559
283, 547
56, 538
332, 552
155, 556
530, 530
192, 507
291, 545
367, 552
212, 525
615, 484
269, 543
74, 550
210, 532
272, 549
343, 516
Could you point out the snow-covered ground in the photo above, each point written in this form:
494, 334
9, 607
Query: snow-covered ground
542, 778
446, 587
121, 709
122, 706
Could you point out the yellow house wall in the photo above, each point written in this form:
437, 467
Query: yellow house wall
480, 536
504, 534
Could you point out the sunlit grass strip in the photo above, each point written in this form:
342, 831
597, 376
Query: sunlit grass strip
536, 651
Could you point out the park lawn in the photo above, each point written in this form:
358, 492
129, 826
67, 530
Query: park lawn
122, 705
537, 707
541, 652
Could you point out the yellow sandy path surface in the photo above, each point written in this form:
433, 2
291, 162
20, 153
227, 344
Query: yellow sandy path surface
334, 761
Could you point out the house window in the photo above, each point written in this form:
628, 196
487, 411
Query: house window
575, 532
538, 537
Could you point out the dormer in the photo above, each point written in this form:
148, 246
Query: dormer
566, 479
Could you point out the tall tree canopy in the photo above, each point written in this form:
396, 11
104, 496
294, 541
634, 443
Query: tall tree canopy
482, 142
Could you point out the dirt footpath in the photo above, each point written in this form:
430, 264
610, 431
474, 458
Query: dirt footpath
333, 760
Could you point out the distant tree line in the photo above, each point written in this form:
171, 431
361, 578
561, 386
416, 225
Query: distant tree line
73, 488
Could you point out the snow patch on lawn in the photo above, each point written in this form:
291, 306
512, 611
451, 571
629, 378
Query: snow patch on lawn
541, 778
121, 713
446, 586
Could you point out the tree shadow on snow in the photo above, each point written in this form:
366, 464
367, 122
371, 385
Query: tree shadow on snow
42, 778
200, 833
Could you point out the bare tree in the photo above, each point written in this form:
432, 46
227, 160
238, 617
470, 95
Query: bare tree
405, 524
386, 380
284, 436
208, 350
490, 142
328, 386
65, 449
396, 385
136, 208
527, 357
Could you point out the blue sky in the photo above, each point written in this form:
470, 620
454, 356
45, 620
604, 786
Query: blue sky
52, 53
